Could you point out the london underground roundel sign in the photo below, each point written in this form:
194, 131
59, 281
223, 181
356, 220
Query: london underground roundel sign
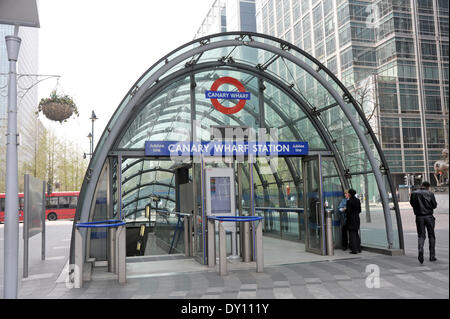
214, 95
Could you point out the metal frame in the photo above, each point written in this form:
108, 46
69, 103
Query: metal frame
152, 84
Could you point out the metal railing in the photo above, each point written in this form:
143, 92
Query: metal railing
222, 241
117, 257
168, 229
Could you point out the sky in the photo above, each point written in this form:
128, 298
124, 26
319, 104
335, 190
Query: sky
100, 48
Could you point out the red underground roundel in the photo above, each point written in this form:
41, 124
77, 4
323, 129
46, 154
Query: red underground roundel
214, 95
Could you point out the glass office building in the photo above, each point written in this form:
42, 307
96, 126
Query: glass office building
393, 56
228, 15
29, 126
305, 102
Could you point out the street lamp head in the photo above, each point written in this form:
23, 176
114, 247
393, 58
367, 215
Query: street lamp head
93, 116
89, 136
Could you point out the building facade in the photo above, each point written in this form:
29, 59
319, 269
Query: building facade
392, 54
30, 128
228, 15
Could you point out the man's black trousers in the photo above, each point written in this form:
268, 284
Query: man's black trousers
422, 223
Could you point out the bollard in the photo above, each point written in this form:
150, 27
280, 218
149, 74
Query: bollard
329, 232
121, 254
222, 250
78, 270
186, 235
246, 237
259, 248
211, 243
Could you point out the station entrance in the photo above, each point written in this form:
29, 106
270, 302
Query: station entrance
178, 192
165, 156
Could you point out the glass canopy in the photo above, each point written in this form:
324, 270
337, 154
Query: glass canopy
290, 91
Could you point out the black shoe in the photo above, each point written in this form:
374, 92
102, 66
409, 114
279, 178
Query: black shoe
420, 258
353, 252
433, 259
344, 249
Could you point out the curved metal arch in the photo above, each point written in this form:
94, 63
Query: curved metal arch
299, 101
273, 106
324, 135
140, 198
106, 139
146, 184
154, 169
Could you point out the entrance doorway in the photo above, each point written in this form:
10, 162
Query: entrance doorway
293, 209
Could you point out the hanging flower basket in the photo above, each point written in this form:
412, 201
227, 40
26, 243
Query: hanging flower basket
58, 107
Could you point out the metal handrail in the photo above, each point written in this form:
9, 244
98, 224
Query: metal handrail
101, 223
236, 218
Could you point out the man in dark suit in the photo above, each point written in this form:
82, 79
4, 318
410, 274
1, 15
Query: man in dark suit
352, 213
423, 203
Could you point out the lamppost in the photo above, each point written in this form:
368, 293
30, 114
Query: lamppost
17, 13
92, 118
90, 146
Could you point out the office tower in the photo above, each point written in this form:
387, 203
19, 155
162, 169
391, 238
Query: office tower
228, 15
392, 54
30, 128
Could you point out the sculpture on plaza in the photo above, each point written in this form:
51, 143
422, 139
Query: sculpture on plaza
441, 169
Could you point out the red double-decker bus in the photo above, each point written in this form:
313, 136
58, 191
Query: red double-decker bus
59, 205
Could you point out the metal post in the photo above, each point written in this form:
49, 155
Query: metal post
259, 248
186, 235
26, 224
222, 250
43, 221
121, 254
11, 243
211, 243
78, 271
247, 247
329, 232
112, 265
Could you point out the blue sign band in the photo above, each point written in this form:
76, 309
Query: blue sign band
173, 148
226, 95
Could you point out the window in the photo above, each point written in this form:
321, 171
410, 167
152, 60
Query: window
317, 14
319, 50
344, 36
432, 99
425, 6
429, 51
346, 59
426, 25
318, 33
2, 204
390, 132
306, 24
73, 201
332, 65
287, 14
409, 100
435, 133
329, 26
295, 10
387, 94
360, 32
412, 133
52, 202
64, 202
331, 45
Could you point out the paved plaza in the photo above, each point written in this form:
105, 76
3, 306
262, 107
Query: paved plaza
344, 277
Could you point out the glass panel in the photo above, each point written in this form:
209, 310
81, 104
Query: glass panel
313, 209
98, 236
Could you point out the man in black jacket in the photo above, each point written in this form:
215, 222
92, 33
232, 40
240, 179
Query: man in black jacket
423, 203
352, 212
